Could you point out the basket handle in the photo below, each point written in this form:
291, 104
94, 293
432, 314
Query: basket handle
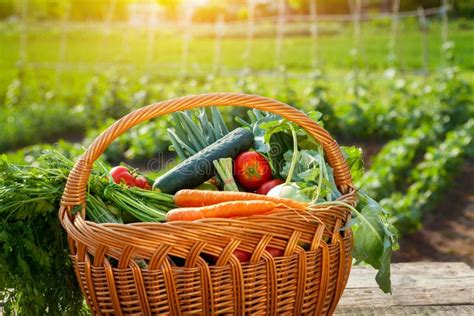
75, 189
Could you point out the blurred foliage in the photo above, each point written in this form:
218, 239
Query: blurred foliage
98, 10
430, 180
374, 107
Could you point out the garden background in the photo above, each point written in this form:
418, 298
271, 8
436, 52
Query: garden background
394, 77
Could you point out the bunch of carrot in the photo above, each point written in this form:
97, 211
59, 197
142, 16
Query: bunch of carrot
198, 204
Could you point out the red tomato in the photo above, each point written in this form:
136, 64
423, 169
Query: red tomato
116, 171
275, 252
267, 186
121, 174
142, 182
243, 256
128, 179
252, 170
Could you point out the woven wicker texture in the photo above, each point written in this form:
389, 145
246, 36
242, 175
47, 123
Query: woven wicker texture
302, 281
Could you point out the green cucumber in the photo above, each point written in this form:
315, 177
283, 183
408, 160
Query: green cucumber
199, 167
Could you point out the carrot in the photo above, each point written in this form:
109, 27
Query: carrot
224, 210
193, 198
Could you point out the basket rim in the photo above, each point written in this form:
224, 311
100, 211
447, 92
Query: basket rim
75, 189
76, 186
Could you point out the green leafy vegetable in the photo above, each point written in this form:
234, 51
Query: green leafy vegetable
35, 268
34, 264
374, 238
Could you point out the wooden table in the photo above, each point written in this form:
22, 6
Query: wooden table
420, 288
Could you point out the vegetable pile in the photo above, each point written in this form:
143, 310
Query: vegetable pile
266, 164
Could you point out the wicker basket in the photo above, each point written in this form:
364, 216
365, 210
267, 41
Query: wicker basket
300, 282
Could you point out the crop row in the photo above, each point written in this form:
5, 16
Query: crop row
451, 110
393, 104
430, 179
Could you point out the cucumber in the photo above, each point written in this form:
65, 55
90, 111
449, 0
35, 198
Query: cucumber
199, 167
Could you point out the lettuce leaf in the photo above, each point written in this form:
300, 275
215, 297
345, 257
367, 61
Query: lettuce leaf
374, 238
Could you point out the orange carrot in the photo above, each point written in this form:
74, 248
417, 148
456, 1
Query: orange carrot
194, 198
223, 210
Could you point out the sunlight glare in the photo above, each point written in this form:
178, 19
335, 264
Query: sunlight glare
196, 3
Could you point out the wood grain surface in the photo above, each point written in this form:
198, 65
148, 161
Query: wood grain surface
426, 288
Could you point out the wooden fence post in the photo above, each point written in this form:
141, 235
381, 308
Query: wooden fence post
219, 32
446, 54
187, 22
424, 32
392, 55
63, 43
250, 31
314, 33
106, 28
151, 35
280, 33
23, 55
444, 19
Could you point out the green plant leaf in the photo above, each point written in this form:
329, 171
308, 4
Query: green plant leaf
353, 157
374, 238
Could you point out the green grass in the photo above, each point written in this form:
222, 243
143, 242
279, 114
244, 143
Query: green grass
87, 44
123, 67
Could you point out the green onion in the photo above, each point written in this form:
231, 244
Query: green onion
192, 151
188, 137
177, 144
224, 169
193, 131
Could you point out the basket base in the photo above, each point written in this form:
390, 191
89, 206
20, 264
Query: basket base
178, 290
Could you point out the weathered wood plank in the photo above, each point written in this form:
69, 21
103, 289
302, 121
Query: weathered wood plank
457, 310
403, 273
409, 296
421, 286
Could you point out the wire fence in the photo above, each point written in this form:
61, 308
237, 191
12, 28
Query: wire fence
280, 25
